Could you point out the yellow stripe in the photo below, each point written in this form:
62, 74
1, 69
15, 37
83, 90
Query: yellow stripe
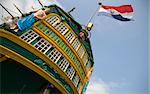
52, 14
48, 39
59, 49
78, 48
3, 57
62, 37
32, 49
13, 55
75, 52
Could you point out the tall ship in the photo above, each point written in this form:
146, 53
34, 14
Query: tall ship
44, 52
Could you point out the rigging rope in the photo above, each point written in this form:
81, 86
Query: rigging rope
2, 13
12, 11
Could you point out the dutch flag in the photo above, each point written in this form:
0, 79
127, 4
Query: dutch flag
122, 13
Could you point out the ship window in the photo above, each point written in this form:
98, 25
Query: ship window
67, 50
88, 65
56, 39
79, 86
64, 64
81, 51
70, 53
29, 36
42, 27
76, 80
53, 20
70, 72
76, 44
43, 45
72, 56
54, 55
70, 36
48, 32
85, 59
61, 28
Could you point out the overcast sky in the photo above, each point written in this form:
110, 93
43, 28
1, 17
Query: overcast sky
120, 49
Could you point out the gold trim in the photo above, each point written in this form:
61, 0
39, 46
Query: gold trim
70, 45
80, 90
79, 41
67, 57
32, 49
77, 47
87, 68
3, 58
62, 37
13, 55
72, 41
80, 58
75, 52
82, 54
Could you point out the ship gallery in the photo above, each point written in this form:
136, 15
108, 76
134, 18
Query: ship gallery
44, 52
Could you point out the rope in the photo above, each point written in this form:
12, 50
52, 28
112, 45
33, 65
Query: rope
2, 13
12, 11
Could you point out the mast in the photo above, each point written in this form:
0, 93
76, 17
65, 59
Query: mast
7, 11
40, 3
18, 10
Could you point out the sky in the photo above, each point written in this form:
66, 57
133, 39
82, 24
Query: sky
120, 49
149, 45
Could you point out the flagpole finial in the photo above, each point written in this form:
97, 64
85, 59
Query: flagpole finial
99, 3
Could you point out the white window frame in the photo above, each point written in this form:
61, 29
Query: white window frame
53, 20
61, 27
64, 64
56, 55
85, 59
81, 51
76, 80
79, 86
44, 43
70, 72
76, 44
70, 36
28, 35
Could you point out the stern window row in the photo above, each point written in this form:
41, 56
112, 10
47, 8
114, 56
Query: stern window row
44, 46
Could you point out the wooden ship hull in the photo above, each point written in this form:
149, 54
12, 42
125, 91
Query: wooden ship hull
46, 57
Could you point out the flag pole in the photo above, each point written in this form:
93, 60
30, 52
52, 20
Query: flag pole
89, 25
93, 15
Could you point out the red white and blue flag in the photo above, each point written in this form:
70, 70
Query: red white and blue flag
122, 13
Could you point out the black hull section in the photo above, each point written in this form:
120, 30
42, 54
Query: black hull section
18, 79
